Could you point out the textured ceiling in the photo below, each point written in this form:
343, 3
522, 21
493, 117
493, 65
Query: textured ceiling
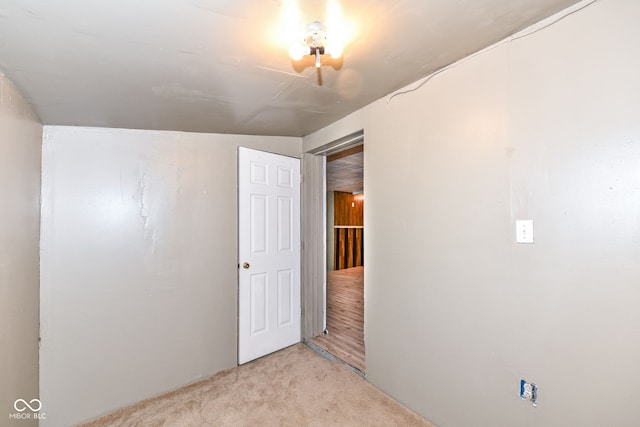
345, 171
217, 65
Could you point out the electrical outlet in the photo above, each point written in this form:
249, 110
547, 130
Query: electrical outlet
529, 391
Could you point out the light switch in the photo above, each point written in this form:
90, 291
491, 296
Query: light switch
524, 231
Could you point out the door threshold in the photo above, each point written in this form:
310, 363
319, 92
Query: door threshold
327, 355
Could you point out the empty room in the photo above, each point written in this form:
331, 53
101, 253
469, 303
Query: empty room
164, 227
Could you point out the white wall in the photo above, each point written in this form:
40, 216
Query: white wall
20, 149
547, 128
139, 263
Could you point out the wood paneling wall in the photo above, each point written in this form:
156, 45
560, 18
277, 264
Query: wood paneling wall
348, 230
349, 247
348, 209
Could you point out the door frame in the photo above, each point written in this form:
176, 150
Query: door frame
314, 233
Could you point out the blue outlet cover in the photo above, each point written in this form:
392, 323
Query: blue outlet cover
528, 391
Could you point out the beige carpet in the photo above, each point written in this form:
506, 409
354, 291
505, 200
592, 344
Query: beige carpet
293, 387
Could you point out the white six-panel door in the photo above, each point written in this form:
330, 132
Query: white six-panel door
268, 253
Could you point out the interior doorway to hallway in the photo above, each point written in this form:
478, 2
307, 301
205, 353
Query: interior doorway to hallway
344, 334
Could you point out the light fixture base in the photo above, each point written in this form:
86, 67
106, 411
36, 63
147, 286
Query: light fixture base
316, 35
315, 42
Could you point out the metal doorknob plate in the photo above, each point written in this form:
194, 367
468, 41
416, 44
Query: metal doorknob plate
245, 265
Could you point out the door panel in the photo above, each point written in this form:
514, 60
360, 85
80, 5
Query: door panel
269, 253
259, 305
285, 296
258, 227
285, 233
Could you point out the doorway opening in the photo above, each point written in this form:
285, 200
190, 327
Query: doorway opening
344, 291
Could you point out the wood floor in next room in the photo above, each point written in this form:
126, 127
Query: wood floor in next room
345, 317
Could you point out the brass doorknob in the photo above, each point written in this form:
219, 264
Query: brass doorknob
245, 265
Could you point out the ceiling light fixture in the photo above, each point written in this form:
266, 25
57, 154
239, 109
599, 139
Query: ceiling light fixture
315, 42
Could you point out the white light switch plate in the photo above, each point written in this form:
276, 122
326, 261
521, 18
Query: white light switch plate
524, 231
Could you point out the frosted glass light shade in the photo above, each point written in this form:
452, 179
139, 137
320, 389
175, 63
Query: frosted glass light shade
335, 50
297, 51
